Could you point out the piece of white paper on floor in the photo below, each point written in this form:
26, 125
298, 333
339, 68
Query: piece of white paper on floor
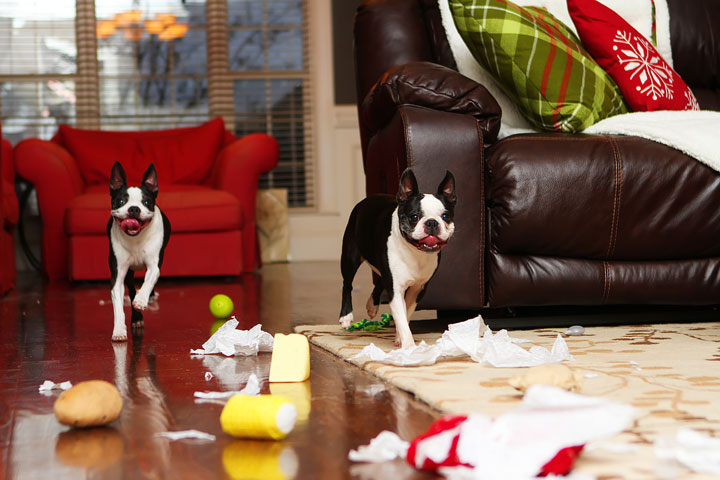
471, 337
517, 444
251, 388
386, 446
48, 386
186, 435
229, 341
697, 451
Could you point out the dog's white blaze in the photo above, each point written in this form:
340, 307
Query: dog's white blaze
433, 208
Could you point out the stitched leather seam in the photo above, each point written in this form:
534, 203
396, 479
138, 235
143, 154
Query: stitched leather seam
606, 286
618, 195
408, 147
615, 197
481, 111
482, 246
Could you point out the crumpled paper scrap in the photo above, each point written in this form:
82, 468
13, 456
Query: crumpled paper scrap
471, 337
386, 446
517, 444
252, 388
697, 451
186, 434
47, 386
230, 342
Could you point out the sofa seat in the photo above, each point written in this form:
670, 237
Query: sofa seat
598, 220
190, 208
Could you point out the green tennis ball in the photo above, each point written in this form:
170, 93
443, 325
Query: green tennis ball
221, 306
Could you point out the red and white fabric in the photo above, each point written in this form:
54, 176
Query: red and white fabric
645, 79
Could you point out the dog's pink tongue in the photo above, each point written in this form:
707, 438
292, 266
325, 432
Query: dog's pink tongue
130, 224
430, 240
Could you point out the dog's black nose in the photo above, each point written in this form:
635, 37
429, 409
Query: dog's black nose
431, 226
134, 211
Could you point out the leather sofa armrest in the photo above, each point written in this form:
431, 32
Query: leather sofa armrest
428, 85
56, 177
237, 170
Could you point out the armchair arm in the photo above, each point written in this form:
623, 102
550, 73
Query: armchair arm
237, 170
433, 86
55, 175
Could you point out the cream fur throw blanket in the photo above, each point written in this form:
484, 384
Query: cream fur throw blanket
696, 133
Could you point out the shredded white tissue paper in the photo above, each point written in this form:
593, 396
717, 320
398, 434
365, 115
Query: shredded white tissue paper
208, 376
471, 337
695, 450
414, 356
229, 341
48, 386
186, 434
517, 444
386, 446
252, 388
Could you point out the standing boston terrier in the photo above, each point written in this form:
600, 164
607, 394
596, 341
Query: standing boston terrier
400, 238
138, 233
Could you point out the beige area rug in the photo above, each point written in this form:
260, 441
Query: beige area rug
669, 372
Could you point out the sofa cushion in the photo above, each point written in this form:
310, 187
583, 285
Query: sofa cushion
181, 155
540, 64
190, 208
645, 79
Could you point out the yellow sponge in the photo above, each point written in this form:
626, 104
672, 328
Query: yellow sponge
290, 358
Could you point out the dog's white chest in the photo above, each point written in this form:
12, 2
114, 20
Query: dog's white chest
141, 250
408, 265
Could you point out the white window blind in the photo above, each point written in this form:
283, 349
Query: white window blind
152, 64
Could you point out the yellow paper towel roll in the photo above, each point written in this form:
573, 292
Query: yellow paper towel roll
261, 416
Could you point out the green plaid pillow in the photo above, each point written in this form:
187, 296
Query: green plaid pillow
539, 63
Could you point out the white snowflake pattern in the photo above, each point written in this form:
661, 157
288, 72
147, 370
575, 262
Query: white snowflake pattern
636, 54
692, 103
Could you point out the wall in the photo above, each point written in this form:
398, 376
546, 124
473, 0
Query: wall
317, 235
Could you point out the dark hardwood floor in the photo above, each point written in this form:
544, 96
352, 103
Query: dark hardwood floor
61, 331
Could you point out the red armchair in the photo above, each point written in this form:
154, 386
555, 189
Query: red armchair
8, 218
208, 183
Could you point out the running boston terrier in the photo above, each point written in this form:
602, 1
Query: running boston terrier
138, 233
400, 238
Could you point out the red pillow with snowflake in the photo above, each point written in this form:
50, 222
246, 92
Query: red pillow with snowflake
646, 80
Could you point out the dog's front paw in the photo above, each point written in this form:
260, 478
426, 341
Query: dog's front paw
346, 320
404, 343
140, 303
119, 335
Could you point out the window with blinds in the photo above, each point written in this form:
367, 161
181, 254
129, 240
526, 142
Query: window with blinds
152, 64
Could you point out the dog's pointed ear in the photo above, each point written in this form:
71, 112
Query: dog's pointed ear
447, 187
408, 186
117, 177
149, 179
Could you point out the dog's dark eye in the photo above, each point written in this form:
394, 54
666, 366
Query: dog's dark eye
445, 217
414, 218
146, 203
121, 202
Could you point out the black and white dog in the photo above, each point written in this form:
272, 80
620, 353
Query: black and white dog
400, 238
138, 233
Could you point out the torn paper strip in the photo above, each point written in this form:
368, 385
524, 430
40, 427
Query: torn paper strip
229, 341
186, 435
48, 386
697, 451
414, 356
386, 446
252, 388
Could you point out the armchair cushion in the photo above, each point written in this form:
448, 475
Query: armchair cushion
540, 64
190, 208
181, 155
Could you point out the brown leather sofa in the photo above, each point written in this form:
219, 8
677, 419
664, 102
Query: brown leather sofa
542, 219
